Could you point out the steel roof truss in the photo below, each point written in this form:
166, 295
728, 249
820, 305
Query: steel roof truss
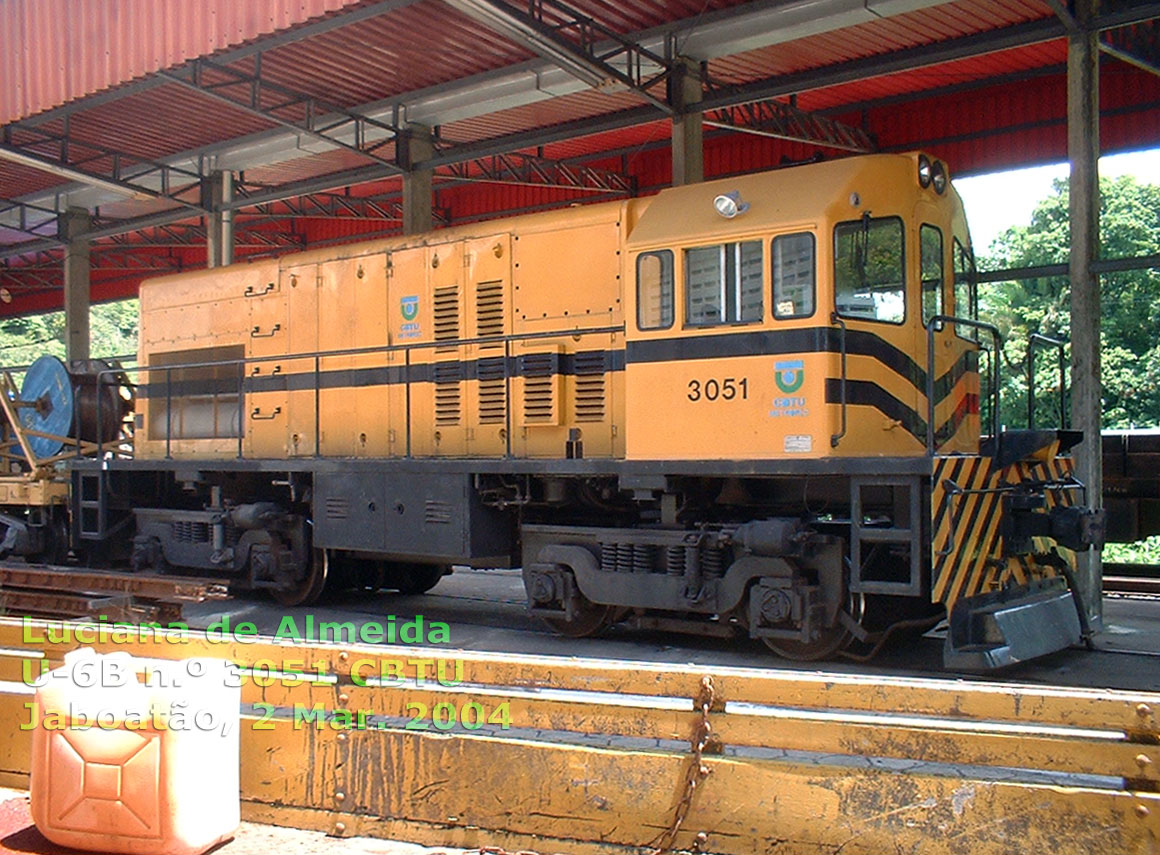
383, 206
28, 219
585, 48
194, 235
308, 114
514, 168
64, 155
1137, 44
784, 121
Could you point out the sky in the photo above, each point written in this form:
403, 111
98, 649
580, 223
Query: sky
997, 201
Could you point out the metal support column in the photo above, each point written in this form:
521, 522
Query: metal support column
73, 228
414, 146
688, 149
1083, 143
219, 230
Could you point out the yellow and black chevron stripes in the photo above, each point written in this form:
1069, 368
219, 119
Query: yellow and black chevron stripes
1053, 469
966, 522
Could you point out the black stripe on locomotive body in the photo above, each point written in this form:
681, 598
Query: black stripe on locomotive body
579, 364
722, 346
801, 341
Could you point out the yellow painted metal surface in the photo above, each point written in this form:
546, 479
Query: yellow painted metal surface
742, 398
540, 286
32, 491
473, 342
590, 756
967, 549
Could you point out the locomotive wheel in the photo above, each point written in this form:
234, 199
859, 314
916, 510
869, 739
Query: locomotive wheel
307, 591
415, 578
591, 619
830, 641
826, 645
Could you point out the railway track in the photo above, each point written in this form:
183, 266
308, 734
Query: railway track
70, 592
1120, 578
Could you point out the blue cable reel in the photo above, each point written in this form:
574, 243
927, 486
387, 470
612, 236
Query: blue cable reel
48, 404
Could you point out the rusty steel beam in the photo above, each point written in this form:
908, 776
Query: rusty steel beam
1132, 585
56, 604
192, 589
587, 756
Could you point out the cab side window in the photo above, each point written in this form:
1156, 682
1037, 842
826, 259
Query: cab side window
870, 269
966, 290
931, 239
654, 290
723, 283
794, 275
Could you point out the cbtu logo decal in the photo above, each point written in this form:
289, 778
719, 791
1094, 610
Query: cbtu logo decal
789, 375
409, 306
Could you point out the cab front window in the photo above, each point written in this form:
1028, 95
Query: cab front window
869, 269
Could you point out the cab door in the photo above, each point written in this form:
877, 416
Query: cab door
953, 384
878, 401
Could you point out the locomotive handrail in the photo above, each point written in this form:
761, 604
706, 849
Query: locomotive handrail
835, 319
936, 323
1046, 341
319, 355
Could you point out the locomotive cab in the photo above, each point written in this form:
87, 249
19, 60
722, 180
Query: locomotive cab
793, 330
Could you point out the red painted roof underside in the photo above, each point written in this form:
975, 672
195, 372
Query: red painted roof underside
988, 112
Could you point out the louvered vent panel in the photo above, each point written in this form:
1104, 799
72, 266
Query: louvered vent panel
437, 513
590, 367
448, 391
489, 309
337, 508
541, 388
447, 313
492, 390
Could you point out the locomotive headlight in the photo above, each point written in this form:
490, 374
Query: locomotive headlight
729, 205
938, 177
924, 171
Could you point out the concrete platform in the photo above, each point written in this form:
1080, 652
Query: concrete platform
485, 611
18, 836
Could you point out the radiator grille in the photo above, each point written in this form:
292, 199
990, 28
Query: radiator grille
447, 313
541, 383
489, 315
448, 392
492, 390
591, 366
437, 513
337, 508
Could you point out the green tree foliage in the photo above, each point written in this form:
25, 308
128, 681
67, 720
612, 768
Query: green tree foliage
1130, 307
113, 330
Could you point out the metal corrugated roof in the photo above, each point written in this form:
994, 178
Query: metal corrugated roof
907, 30
384, 52
59, 50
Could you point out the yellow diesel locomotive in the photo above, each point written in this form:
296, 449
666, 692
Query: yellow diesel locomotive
752, 405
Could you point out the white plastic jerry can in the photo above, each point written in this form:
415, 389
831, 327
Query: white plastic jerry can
121, 766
